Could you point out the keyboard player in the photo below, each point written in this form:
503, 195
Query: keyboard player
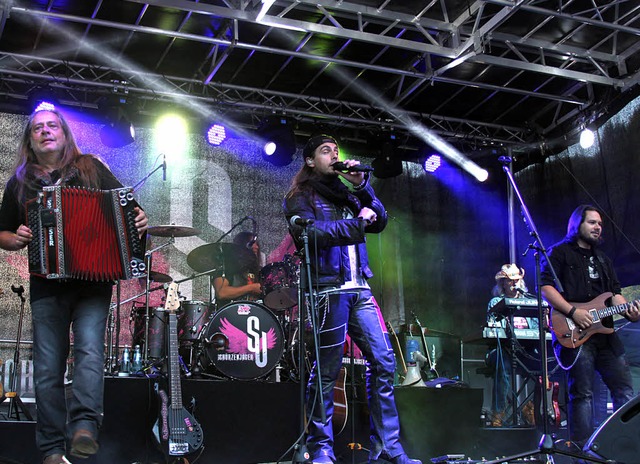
509, 284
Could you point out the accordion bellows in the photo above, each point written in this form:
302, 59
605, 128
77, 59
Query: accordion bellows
85, 234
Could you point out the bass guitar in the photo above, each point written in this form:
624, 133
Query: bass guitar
552, 390
179, 432
570, 335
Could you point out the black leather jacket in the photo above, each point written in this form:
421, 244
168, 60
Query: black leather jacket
330, 234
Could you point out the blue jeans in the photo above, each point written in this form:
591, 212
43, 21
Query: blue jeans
356, 312
595, 355
84, 308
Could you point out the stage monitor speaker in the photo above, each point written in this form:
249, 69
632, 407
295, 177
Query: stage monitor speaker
618, 438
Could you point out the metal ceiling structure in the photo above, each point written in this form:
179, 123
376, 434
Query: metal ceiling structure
478, 74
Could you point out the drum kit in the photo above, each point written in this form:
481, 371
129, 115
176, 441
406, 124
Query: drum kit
242, 340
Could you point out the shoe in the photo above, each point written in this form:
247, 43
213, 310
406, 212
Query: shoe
56, 459
83, 444
400, 459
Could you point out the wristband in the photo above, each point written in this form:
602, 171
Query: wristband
572, 312
361, 185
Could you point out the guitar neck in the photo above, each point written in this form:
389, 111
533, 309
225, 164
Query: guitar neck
174, 363
613, 310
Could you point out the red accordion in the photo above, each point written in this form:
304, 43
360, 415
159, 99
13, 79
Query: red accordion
84, 234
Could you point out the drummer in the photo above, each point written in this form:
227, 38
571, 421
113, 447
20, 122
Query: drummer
244, 283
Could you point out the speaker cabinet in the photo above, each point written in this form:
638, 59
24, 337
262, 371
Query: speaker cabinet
618, 438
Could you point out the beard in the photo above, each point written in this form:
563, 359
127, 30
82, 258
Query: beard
590, 239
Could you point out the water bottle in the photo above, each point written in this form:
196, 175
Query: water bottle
412, 347
136, 365
125, 365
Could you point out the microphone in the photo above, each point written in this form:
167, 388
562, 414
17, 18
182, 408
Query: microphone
254, 237
164, 168
298, 221
19, 290
340, 166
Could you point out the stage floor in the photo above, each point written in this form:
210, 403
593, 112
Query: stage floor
255, 422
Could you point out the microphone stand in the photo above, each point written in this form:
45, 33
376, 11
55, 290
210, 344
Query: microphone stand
545, 445
14, 398
301, 453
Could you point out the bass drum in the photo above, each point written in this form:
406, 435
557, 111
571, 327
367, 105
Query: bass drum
243, 341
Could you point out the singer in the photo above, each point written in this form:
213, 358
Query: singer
339, 267
48, 155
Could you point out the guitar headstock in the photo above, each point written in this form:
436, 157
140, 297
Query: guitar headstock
172, 300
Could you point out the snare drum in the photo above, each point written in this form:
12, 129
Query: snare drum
243, 340
278, 282
192, 318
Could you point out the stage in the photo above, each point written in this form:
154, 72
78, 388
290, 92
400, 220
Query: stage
249, 422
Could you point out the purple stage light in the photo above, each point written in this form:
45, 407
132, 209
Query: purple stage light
216, 134
432, 163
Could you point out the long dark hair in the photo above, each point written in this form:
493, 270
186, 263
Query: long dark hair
27, 169
577, 218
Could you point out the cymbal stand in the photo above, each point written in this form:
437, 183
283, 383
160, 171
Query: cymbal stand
147, 290
14, 398
113, 331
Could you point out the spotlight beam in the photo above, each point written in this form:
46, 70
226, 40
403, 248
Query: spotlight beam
103, 53
367, 93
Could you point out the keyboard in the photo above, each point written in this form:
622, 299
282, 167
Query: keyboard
521, 334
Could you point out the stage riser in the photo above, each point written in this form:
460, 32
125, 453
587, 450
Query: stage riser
243, 422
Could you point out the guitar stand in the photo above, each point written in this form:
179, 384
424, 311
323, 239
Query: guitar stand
15, 403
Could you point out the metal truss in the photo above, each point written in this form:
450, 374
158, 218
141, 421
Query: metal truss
545, 65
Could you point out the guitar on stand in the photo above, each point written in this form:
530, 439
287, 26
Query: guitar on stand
552, 390
176, 428
398, 349
433, 373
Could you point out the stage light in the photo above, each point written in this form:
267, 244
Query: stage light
432, 163
42, 98
118, 134
388, 162
278, 141
385, 167
216, 134
45, 106
587, 138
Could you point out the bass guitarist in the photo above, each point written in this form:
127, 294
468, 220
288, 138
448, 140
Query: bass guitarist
585, 273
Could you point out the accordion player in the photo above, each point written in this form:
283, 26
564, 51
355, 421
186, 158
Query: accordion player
85, 234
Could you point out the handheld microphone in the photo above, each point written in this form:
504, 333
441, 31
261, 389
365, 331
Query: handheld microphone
298, 221
164, 168
340, 166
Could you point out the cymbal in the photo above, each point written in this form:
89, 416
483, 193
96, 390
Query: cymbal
210, 256
172, 230
159, 277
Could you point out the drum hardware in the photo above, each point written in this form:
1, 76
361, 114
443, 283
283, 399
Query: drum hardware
279, 289
173, 231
